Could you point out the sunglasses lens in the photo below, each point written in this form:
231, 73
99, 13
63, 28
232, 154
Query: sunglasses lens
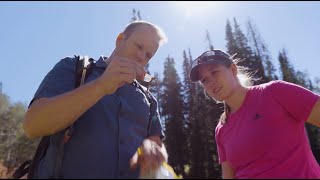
210, 56
210, 53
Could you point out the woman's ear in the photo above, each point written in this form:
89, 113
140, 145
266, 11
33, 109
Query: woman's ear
119, 39
234, 69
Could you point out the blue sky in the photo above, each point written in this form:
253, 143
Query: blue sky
36, 35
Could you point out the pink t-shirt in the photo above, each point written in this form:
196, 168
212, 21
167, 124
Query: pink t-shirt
266, 136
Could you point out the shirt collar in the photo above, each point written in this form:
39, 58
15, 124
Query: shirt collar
102, 62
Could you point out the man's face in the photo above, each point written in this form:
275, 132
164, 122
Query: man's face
140, 46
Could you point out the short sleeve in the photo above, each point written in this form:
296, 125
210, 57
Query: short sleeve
220, 148
297, 100
59, 80
156, 127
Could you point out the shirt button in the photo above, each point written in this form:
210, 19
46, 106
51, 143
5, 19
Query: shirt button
121, 173
121, 141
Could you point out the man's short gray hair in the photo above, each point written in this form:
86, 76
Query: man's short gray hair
130, 29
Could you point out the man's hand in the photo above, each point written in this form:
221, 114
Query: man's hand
149, 156
119, 72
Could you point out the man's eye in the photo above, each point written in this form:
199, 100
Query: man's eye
148, 56
140, 47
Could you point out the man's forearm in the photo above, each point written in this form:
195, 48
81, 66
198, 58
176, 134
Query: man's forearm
47, 116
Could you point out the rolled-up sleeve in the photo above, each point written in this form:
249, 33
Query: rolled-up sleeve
156, 127
58, 81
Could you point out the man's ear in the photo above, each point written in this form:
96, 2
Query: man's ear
119, 39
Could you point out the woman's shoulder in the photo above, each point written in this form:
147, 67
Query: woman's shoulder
270, 85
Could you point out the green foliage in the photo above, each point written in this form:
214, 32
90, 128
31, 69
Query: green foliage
15, 147
172, 112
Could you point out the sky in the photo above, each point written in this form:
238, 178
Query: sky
36, 35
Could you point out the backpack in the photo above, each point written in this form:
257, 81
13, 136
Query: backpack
84, 67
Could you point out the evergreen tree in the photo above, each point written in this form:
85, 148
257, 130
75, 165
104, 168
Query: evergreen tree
270, 70
231, 42
245, 53
186, 85
297, 77
204, 115
287, 71
316, 86
172, 111
138, 16
134, 15
208, 38
266, 70
242, 47
156, 90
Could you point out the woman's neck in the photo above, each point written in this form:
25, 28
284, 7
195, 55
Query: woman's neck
237, 98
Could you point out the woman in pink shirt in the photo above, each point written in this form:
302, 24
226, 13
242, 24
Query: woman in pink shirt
261, 133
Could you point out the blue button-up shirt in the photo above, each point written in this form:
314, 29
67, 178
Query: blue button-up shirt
106, 136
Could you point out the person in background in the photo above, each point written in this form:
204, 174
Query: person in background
261, 133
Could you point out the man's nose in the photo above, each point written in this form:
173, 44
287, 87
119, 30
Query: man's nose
141, 57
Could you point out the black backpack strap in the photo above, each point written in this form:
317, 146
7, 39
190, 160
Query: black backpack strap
22, 170
31, 165
84, 67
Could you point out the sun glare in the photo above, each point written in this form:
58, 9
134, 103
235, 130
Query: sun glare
192, 8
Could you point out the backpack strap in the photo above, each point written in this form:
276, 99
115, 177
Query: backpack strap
83, 69
84, 66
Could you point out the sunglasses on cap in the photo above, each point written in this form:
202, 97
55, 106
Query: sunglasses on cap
215, 56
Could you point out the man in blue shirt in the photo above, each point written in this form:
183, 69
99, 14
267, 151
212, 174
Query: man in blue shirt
110, 112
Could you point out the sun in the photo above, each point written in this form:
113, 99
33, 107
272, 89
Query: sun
195, 7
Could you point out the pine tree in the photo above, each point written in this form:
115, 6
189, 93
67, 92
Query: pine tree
231, 42
186, 85
316, 86
261, 54
287, 71
138, 16
202, 127
204, 115
134, 16
243, 49
208, 38
156, 91
297, 77
270, 69
244, 52
172, 111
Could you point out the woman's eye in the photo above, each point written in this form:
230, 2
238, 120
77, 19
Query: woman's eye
213, 72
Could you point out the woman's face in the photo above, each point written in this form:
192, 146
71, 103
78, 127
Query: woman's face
219, 81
